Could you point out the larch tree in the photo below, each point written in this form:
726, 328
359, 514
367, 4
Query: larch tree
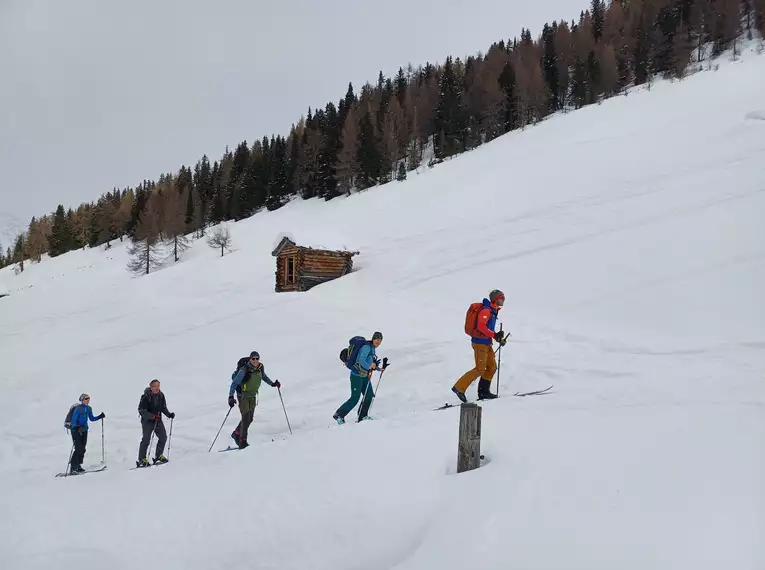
175, 222
145, 249
36, 241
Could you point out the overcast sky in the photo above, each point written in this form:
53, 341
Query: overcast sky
98, 93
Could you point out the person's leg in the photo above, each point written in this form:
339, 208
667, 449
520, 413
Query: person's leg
356, 384
480, 356
368, 392
248, 414
147, 427
79, 449
161, 438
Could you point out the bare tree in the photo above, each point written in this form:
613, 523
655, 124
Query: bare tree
175, 221
220, 238
145, 249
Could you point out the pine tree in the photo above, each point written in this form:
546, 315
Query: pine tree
328, 155
280, 179
401, 176
508, 84
369, 159
598, 13
19, 252
451, 118
348, 163
550, 66
61, 239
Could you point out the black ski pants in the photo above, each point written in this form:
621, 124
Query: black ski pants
80, 441
157, 427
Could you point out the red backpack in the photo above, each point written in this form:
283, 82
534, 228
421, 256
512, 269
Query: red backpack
471, 319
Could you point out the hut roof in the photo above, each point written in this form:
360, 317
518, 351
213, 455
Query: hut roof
319, 243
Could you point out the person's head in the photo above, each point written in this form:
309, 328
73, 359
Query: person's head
154, 386
497, 297
85, 399
254, 358
377, 339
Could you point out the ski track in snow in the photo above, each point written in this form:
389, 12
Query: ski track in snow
637, 293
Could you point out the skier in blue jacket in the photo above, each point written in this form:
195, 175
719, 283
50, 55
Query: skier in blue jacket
366, 363
81, 413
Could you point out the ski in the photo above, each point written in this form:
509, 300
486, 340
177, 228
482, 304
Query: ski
447, 405
94, 470
230, 448
534, 393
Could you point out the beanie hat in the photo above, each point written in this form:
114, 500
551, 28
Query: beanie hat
495, 295
377, 335
254, 354
83, 396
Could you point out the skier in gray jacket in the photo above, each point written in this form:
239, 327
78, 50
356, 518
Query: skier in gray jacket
151, 407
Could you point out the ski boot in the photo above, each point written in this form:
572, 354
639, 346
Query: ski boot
142, 463
339, 419
160, 459
483, 390
77, 470
460, 395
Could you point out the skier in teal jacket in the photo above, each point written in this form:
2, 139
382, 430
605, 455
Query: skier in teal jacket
366, 363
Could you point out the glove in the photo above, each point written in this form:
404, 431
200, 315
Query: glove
156, 417
102, 416
171, 415
500, 337
231, 402
277, 384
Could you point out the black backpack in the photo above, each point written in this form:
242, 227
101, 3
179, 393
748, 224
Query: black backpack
239, 363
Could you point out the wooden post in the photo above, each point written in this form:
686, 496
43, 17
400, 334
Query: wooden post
469, 449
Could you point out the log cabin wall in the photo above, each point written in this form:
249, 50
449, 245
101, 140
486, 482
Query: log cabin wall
283, 264
301, 268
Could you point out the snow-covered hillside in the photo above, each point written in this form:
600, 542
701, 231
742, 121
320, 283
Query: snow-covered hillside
628, 240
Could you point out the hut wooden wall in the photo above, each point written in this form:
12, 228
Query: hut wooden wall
312, 267
281, 269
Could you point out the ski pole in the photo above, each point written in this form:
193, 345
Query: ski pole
384, 367
285, 410
170, 437
67, 471
103, 448
221, 427
499, 363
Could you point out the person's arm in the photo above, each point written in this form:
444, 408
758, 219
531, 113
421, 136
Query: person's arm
236, 382
365, 359
266, 379
142, 408
91, 416
483, 320
164, 408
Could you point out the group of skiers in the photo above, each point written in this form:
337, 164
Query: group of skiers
360, 357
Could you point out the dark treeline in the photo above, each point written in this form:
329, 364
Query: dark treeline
381, 132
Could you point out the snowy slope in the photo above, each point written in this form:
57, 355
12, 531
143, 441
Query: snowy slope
637, 292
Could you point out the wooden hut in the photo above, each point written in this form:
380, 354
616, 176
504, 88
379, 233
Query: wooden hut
299, 268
